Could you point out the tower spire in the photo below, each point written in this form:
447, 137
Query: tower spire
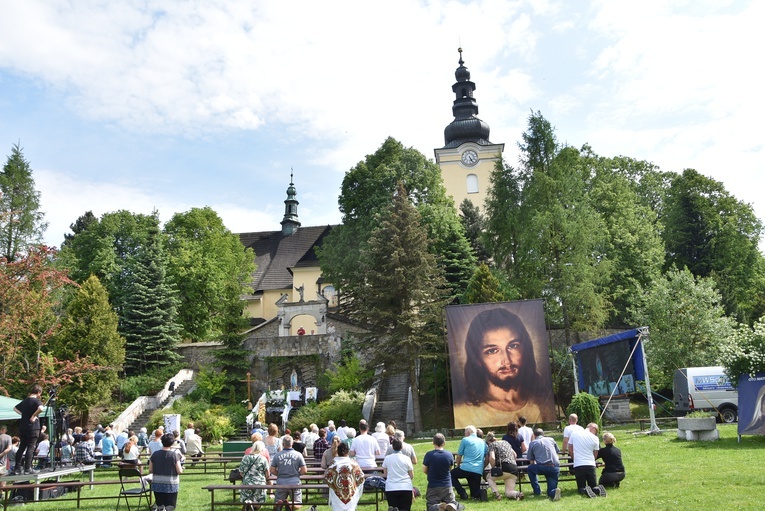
290, 222
466, 126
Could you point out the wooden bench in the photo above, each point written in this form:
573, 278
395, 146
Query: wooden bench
310, 489
70, 485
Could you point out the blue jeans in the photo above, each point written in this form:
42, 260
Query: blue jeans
550, 472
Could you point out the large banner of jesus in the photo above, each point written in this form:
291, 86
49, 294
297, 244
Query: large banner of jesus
500, 363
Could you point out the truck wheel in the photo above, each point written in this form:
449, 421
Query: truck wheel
728, 415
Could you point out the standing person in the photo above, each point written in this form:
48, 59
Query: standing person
525, 432
613, 471
345, 480
437, 465
6, 446
569, 430
365, 447
165, 467
469, 464
288, 465
583, 446
273, 442
255, 470
398, 473
321, 445
29, 430
502, 455
543, 459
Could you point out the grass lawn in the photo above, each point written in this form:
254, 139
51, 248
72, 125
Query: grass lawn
663, 473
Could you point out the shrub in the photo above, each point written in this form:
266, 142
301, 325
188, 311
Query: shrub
147, 384
586, 407
341, 405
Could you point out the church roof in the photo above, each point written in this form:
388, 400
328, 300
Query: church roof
276, 253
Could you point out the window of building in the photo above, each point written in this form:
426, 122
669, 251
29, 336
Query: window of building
472, 183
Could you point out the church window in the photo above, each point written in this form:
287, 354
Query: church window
472, 183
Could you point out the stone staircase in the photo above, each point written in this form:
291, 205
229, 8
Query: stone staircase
143, 419
391, 400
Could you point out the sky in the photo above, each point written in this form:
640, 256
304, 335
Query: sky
171, 105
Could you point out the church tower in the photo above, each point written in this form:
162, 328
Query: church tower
290, 222
468, 157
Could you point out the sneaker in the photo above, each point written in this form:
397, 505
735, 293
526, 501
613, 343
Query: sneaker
443, 507
588, 491
601, 490
556, 495
31, 471
451, 507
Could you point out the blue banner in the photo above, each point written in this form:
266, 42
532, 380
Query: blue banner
751, 404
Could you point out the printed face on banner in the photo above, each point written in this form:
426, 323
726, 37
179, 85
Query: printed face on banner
500, 363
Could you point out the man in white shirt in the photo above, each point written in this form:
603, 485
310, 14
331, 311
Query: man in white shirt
365, 447
583, 446
525, 432
570, 429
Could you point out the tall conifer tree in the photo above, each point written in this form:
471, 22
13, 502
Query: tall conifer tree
405, 292
21, 221
150, 319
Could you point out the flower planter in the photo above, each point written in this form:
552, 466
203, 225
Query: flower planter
699, 428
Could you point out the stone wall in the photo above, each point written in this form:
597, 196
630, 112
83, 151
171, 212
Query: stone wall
272, 358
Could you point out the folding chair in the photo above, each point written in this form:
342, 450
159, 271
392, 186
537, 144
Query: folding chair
133, 489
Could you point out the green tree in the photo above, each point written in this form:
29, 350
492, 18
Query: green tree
30, 294
554, 245
210, 268
107, 248
485, 287
404, 294
79, 225
687, 322
233, 359
474, 224
365, 196
743, 351
21, 221
715, 235
89, 330
633, 243
150, 317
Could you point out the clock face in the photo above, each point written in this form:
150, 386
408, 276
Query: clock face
469, 158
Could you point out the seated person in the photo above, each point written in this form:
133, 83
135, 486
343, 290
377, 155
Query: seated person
43, 451
613, 471
67, 454
83, 453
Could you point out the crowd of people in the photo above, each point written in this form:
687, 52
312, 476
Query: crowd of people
342, 454
480, 457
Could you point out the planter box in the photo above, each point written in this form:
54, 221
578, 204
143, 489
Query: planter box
703, 428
